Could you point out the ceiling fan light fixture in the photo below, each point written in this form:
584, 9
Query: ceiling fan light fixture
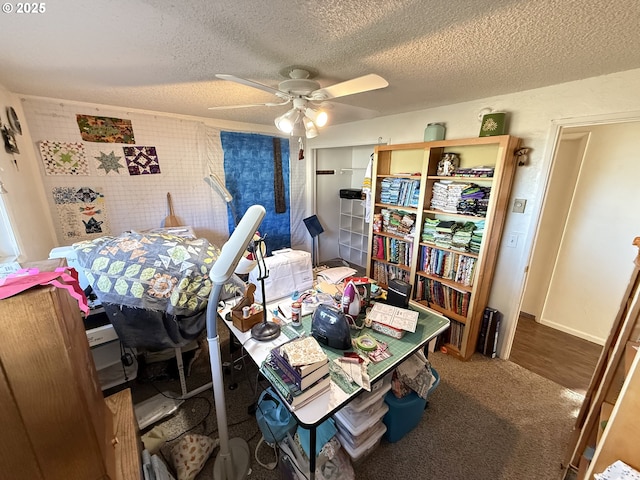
311, 130
299, 128
286, 122
318, 117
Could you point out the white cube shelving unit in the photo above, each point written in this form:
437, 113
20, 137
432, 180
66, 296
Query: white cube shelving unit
353, 235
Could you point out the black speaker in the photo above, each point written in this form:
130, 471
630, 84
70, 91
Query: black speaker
398, 293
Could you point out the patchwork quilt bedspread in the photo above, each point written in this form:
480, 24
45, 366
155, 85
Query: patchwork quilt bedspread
151, 271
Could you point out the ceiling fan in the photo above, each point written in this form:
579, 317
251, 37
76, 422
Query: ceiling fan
306, 96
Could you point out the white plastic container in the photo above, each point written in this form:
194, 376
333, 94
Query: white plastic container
358, 454
367, 399
358, 433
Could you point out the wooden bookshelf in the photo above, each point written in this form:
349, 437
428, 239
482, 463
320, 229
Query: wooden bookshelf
419, 161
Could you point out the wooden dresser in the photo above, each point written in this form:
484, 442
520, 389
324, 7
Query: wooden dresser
56, 425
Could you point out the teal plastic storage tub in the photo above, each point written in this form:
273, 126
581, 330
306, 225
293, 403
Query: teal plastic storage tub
405, 413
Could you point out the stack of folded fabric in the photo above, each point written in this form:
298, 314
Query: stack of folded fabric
462, 237
444, 233
446, 196
474, 200
429, 230
476, 237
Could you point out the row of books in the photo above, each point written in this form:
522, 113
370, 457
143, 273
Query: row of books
400, 191
451, 266
456, 332
446, 297
383, 273
299, 370
392, 250
488, 335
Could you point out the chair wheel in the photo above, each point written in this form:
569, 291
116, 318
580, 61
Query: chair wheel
233, 386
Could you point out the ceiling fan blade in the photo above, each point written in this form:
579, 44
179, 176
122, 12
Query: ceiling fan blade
229, 107
366, 83
249, 83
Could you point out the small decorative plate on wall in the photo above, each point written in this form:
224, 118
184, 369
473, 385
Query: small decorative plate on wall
14, 123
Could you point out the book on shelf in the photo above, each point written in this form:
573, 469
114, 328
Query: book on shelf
311, 374
489, 332
288, 390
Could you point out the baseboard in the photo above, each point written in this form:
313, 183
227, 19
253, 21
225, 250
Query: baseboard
575, 333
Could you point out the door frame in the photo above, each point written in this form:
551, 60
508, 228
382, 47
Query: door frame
553, 138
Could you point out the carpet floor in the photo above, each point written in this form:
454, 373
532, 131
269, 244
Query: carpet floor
487, 419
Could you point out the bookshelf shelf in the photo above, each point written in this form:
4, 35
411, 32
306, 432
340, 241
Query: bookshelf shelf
487, 210
445, 281
433, 245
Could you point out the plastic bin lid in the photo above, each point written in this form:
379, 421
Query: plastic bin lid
366, 399
356, 453
362, 427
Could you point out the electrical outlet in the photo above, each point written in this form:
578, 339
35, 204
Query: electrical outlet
518, 205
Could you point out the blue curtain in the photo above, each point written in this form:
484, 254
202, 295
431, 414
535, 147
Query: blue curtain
249, 177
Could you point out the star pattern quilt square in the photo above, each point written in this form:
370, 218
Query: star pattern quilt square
141, 160
107, 162
64, 158
81, 212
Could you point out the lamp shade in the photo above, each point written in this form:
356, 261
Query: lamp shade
286, 122
318, 117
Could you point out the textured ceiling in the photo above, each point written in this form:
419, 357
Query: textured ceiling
162, 55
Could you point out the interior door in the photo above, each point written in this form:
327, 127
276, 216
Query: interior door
592, 264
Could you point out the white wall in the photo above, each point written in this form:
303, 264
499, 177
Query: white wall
136, 202
25, 202
596, 245
566, 167
532, 117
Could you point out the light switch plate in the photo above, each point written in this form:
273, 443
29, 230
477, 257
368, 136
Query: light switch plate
518, 205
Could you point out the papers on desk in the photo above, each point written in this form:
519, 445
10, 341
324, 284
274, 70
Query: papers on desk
396, 317
357, 372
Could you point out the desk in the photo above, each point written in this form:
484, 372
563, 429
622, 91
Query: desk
430, 325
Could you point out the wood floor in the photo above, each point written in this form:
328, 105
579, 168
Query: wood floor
555, 355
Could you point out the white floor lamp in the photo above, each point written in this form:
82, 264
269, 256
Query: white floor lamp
233, 459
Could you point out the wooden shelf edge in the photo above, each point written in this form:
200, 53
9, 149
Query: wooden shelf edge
126, 443
447, 313
444, 281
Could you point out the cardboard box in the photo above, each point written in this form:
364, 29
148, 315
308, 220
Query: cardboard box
629, 354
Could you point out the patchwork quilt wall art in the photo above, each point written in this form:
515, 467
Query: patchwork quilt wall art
141, 160
81, 211
105, 129
64, 158
107, 161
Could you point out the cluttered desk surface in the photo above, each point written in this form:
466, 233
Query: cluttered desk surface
429, 324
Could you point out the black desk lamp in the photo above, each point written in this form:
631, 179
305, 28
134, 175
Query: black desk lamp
233, 459
265, 330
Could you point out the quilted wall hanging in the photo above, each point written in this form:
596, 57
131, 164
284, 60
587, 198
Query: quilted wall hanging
105, 129
107, 162
63, 158
256, 170
141, 160
81, 211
